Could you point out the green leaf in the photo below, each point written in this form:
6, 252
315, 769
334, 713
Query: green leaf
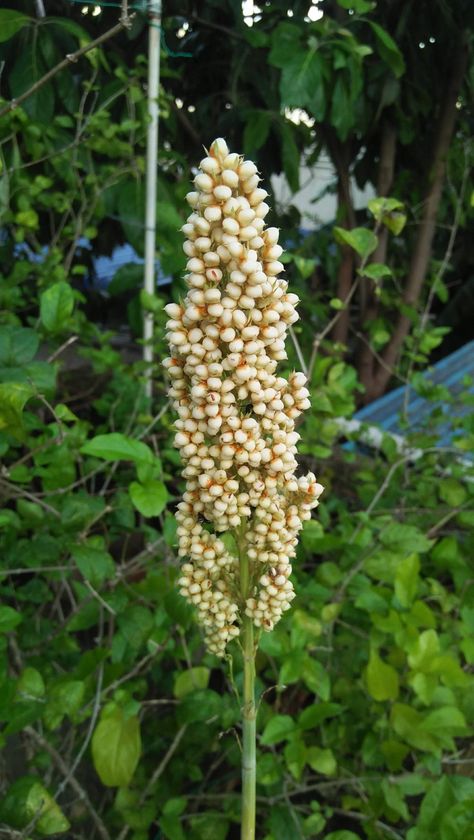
200, 706
409, 538
30, 684
11, 22
382, 679
458, 823
116, 746
388, 211
362, 240
9, 619
277, 729
284, 823
191, 680
27, 800
302, 82
13, 398
388, 49
149, 498
312, 716
406, 579
56, 306
452, 492
64, 698
256, 130
172, 828
118, 447
290, 156
316, 677
18, 346
376, 271
322, 761
93, 562
342, 835
359, 6
406, 723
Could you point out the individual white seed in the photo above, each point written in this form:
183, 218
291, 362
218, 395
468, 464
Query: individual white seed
204, 182
213, 213
247, 169
209, 165
230, 178
222, 192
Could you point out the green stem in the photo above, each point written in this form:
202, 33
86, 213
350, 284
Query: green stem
249, 715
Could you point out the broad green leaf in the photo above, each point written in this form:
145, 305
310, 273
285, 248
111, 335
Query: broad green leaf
64, 698
388, 49
316, 677
118, 447
256, 130
56, 306
11, 22
9, 619
395, 799
13, 398
362, 240
116, 747
171, 827
200, 706
71, 26
406, 579
295, 756
302, 82
382, 679
406, 722
322, 761
359, 6
312, 716
376, 271
290, 156
458, 823
284, 823
149, 498
423, 650
285, 43
342, 835
93, 562
401, 537
18, 345
191, 680
209, 826
452, 492
27, 800
30, 684
277, 729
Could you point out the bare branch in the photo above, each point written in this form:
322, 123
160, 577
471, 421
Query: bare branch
71, 58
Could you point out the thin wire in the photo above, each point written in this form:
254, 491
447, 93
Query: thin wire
141, 7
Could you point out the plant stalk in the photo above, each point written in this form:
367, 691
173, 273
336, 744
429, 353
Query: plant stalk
249, 714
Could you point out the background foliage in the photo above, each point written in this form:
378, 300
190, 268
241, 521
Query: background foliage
114, 721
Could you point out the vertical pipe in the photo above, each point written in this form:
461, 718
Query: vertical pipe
154, 13
249, 712
40, 10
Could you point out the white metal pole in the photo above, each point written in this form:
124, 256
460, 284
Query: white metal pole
154, 12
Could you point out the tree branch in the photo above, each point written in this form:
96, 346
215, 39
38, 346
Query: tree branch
71, 58
423, 246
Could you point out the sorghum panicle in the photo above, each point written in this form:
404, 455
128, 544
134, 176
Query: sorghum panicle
236, 427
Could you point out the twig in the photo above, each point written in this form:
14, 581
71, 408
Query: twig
71, 58
95, 713
71, 780
156, 775
297, 347
61, 349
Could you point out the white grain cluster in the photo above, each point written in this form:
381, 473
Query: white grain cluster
236, 427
